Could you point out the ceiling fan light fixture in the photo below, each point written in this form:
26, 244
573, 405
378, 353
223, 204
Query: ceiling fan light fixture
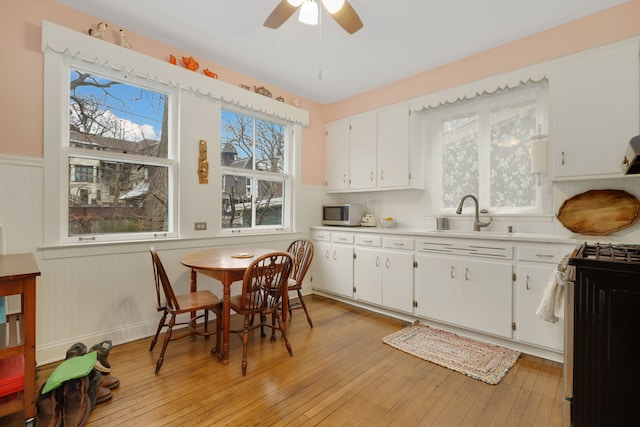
333, 5
308, 13
295, 3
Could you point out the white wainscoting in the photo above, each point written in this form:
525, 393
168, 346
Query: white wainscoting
92, 295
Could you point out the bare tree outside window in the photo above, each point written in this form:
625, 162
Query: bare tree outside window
252, 152
112, 126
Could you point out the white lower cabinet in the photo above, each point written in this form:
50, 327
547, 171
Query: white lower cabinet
384, 277
334, 266
475, 294
535, 265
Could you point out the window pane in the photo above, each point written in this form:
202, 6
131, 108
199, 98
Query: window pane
109, 115
269, 146
236, 140
236, 201
512, 184
460, 174
269, 203
121, 198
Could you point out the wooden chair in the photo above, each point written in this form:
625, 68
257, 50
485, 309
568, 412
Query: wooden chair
263, 286
171, 305
302, 251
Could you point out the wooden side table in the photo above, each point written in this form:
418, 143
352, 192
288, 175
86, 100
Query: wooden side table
18, 274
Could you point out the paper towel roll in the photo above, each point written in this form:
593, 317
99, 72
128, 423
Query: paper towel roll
539, 154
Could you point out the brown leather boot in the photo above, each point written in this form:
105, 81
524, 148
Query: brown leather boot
109, 381
77, 406
49, 408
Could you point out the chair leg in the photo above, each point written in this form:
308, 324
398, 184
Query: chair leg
217, 348
284, 336
167, 338
160, 325
245, 344
304, 307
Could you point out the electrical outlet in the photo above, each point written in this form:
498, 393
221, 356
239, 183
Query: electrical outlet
199, 226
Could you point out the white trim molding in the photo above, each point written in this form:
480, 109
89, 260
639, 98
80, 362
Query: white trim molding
68, 42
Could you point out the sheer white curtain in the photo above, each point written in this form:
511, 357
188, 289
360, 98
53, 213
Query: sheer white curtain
482, 146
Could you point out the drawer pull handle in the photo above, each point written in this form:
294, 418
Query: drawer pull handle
526, 283
398, 244
466, 274
546, 256
453, 272
377, 262
368, 241
388, 264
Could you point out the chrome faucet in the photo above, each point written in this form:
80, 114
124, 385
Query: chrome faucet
476, 221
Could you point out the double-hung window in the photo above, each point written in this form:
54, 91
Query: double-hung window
482, 146
119, 156
255, 164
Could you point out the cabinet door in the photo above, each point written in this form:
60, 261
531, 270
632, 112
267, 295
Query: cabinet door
397, 280
362, 152
337, 155
597, 110
530, 285
322, 266
367, 275
436, 288
486, 296
393, 147
341, 271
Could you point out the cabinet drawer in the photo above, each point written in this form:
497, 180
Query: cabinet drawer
321, 236
368, 241
342, 238
398, 243
537, 254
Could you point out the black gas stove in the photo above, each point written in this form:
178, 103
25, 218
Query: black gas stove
602, 330
624, 257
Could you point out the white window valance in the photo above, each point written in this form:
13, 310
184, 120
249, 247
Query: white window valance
61, 40
486, 86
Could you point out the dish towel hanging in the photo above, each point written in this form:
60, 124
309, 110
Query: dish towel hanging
551, 308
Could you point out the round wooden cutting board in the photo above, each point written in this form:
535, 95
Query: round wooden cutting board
599, 212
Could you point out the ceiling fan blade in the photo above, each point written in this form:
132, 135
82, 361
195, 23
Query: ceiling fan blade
280, 14
347, 18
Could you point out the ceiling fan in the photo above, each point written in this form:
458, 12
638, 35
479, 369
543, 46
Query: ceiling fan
340, 10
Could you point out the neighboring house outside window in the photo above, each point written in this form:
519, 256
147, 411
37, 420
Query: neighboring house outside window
255, 178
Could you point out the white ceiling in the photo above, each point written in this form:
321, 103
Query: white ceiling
325, 64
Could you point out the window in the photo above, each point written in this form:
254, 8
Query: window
255, 179
482, 147
119, 158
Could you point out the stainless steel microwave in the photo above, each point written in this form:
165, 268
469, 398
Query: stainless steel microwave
348, 215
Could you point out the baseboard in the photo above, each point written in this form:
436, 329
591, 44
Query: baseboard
57, 351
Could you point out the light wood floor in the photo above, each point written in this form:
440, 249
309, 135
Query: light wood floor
341, 374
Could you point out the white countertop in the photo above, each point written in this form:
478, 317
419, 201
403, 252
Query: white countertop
485, 235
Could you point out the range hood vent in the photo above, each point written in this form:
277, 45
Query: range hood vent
631, 163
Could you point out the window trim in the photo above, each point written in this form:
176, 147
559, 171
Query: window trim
288, 177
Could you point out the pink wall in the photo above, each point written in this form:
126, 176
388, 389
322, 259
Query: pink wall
22, 92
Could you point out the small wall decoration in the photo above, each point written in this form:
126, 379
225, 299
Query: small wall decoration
99, 31
190, 63
172, 60
262, 91
203, 163
123, 40
281, 99
210, 73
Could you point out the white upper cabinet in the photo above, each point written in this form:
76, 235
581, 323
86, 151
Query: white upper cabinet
394, 161
337, 155
597, 110
362, 151
384, 152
